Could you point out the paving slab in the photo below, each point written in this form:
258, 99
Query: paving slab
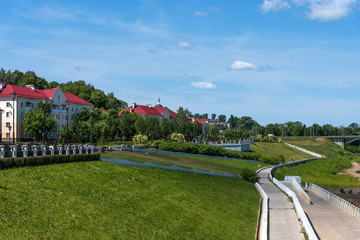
283, 221
330, 221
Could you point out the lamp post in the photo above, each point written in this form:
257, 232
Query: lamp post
13, 96
67, 122
44, 102
1, 112
91, 124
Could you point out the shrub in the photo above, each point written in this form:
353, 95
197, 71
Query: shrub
249, 175
177, 137
140, 139
44, 160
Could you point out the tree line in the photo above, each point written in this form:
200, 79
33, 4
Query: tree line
80, 88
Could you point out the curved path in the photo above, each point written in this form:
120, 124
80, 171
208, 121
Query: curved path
329, 220
283, 221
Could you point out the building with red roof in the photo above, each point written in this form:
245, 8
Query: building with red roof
27, 98
147, 110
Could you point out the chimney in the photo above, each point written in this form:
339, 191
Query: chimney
134, 105
30, 86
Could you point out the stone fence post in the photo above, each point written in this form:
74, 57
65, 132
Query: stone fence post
52, 150
67, 149
60, 149
35, 150
86, 149
24, 149
13, 150
43, 149
74, 149
2, 151
92, 148
81, 149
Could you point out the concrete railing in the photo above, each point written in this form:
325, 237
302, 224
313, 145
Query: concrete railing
299, 210
350, 208
263, 223
305, 151
301, 190
24, 151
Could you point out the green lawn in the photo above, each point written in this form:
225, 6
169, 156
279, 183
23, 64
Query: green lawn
203, 163
100, 200
274, 149
327, 172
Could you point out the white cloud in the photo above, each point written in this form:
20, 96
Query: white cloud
323, 10
273, 5
239, 65
203, 85
326, 10
184, 45
198, 13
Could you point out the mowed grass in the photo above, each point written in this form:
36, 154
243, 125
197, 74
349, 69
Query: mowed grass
203, 163
327, 172
275, 149
100, 200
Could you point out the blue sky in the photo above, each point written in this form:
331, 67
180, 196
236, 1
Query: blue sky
273, 60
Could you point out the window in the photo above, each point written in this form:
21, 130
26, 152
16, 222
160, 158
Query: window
72, 109
8, 104
22, 104
7, 114
7, 124
8, 135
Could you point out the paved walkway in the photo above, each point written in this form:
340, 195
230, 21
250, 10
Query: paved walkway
329, 220
283, 222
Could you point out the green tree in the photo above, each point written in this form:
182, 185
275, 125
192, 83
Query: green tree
213, 116
222, 118
34, 123
99, 99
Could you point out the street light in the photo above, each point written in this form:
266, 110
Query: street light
1, 112
67, 122
13, 95
91, 124
44, 102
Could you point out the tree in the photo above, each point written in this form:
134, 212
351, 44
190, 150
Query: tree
98, 98
34, 123
213, 116
222, 118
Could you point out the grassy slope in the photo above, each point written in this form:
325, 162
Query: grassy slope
274, 149
203, 163
324, 172
100, 200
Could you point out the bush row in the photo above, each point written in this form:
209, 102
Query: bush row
197, 148
44, 160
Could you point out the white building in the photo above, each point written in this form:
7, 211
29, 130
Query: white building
27, 98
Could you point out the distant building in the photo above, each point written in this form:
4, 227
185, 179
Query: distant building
147, 110
27, 98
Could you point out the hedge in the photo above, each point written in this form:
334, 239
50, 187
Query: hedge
44, 160
197, 148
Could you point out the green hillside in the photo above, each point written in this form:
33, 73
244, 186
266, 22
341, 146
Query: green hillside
274, 149
327, 172
203, 163
100, 200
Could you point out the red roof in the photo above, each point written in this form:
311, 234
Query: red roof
148, 110
71, 98
201, 121
26, 92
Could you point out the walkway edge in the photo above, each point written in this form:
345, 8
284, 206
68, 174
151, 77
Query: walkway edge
299, 210
263, 223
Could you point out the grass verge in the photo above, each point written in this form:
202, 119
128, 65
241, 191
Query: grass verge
100, 200
274, 149
203, 163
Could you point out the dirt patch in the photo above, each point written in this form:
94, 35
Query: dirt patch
351, 195
354, 170
321, 139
